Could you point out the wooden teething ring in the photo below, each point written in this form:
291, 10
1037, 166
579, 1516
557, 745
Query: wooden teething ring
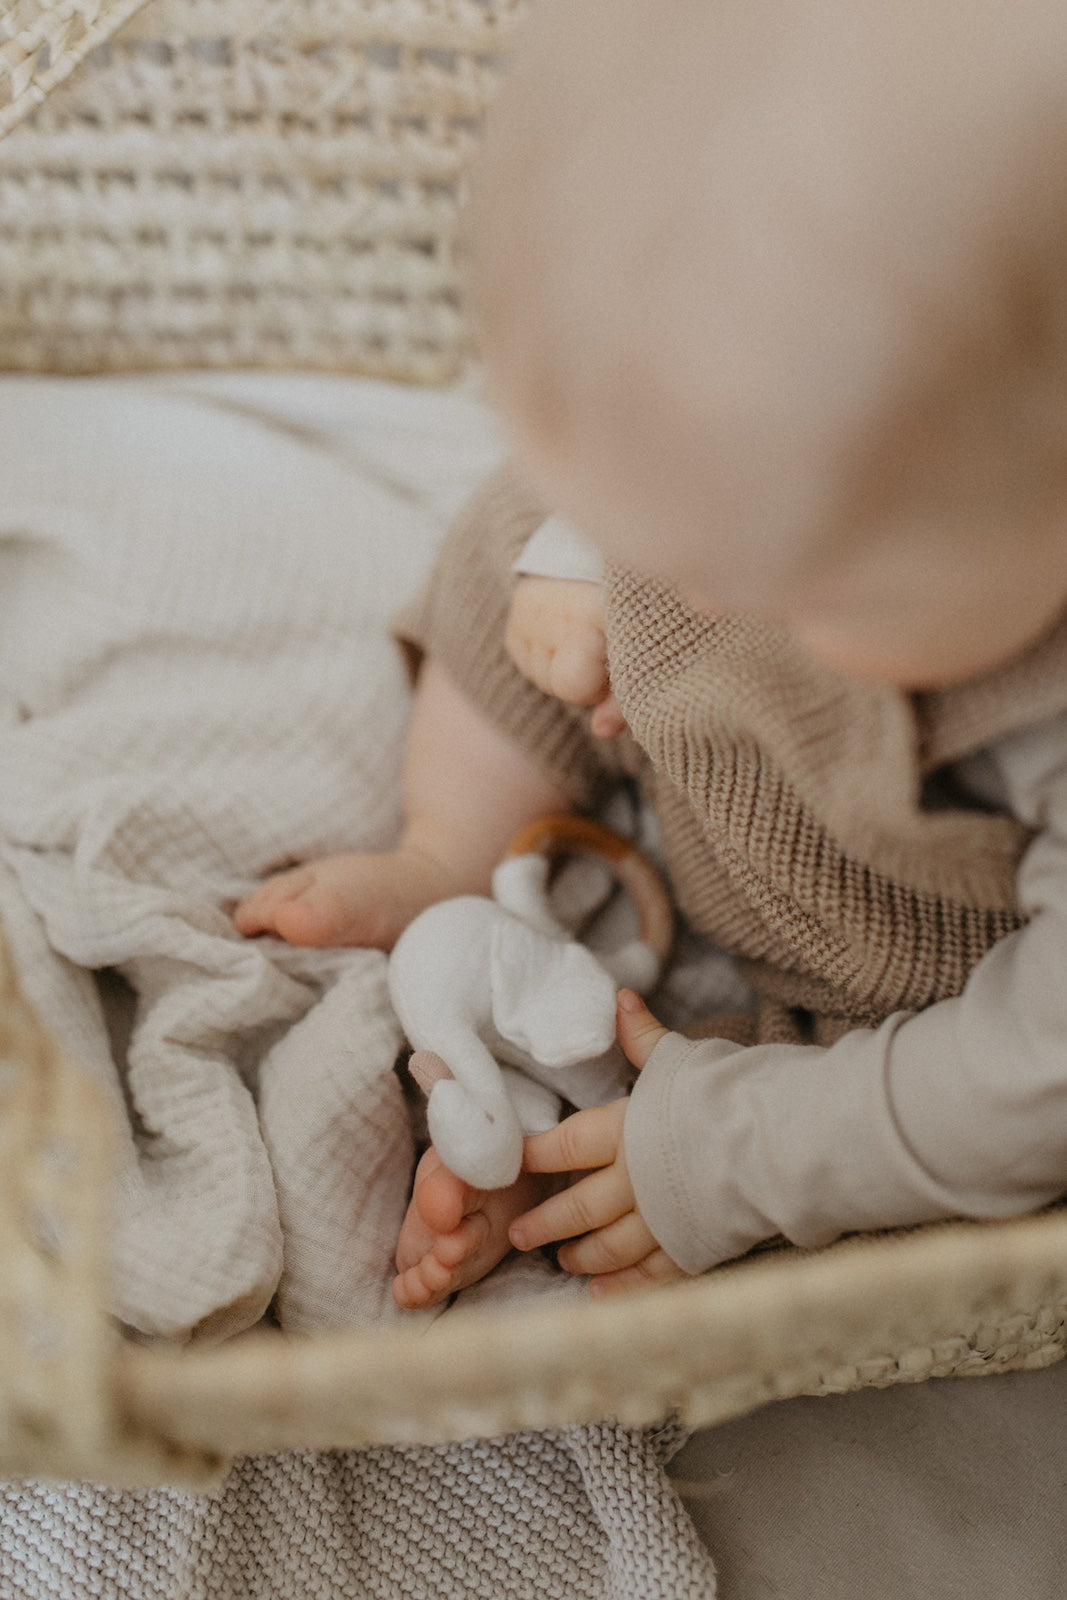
562, 834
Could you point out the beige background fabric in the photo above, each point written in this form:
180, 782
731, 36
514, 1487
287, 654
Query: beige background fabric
525, 1518
946, 1491
199, 686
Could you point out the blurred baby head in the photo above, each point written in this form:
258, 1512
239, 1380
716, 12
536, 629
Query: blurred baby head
779, 312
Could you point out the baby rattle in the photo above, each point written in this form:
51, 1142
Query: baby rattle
507, 1013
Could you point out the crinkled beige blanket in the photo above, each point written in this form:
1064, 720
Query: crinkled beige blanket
197, 686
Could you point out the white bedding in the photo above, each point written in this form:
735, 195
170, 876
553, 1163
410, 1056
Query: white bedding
196, 686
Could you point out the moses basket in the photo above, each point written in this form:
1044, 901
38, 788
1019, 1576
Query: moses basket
276, 183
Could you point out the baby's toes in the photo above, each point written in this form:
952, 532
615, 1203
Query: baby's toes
438, 1273
441, 1199
455, 1249
422, 1285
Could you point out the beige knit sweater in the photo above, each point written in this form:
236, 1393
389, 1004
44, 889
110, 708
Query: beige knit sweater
807, 822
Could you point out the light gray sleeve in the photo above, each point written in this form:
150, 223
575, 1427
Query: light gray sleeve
557, 550
959, 1110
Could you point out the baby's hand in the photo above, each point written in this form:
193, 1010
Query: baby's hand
598, 1213
555, 636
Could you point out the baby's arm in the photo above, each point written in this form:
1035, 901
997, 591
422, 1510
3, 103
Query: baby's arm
957, 1110
467, 789
722, 1146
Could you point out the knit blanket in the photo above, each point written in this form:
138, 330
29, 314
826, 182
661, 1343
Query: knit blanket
197, 687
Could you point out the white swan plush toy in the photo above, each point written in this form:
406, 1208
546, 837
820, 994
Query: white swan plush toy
507, 1013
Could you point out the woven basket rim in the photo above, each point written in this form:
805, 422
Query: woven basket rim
868, 1310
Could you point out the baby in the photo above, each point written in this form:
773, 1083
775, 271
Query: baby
721, 1145
836, 455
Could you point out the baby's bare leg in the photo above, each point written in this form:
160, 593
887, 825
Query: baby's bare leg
467, 789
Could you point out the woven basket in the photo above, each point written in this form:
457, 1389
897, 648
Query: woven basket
229, 183
268, 183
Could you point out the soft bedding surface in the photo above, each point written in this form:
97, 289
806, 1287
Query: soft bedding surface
196, 687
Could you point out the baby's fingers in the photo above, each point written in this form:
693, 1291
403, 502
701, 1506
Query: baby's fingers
580, 1142
256, 913
593, 1202
607, 720
648, 1273
639, 1032
622, 1243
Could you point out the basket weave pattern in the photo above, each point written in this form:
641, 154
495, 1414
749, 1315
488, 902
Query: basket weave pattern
42, 41
227, 183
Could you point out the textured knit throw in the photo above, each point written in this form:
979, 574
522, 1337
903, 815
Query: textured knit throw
806, 819
583, 1515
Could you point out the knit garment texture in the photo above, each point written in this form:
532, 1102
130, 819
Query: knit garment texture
808, 821
587, 1514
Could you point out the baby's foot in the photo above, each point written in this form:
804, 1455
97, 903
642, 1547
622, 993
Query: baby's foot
454, 1234
346, 900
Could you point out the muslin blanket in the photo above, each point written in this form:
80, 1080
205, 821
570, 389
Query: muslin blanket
197, 687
